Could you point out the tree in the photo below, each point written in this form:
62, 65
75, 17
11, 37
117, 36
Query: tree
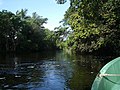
61, 34
20, 32
32, 33
95, 25
50, 39
10, 25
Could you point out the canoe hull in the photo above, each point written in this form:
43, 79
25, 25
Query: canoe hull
108, 82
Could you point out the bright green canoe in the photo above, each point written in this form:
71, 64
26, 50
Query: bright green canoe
108, 77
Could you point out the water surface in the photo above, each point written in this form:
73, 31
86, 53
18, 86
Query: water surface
49, 71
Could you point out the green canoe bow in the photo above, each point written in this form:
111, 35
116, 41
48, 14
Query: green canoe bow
108, 77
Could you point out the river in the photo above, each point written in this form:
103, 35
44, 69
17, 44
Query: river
49, 70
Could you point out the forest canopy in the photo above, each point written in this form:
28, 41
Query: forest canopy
95, 26
20, 32
88, 26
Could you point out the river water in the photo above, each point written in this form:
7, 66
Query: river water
49, 71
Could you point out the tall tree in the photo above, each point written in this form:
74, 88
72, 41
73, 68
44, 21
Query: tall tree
10, 25
20, 32
95, 25
32, 33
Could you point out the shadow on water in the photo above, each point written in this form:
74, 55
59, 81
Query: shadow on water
49, 71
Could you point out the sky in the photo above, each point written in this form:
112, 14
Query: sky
46, 8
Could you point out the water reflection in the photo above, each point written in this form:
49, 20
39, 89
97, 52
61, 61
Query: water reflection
48, 71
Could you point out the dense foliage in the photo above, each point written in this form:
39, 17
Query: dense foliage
88, 26
20, 32
95, 25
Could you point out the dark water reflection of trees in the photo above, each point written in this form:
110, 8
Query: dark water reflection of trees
49, 70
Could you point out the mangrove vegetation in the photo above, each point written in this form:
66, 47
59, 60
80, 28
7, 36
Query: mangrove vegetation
95, 26
88, 26
20, 32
